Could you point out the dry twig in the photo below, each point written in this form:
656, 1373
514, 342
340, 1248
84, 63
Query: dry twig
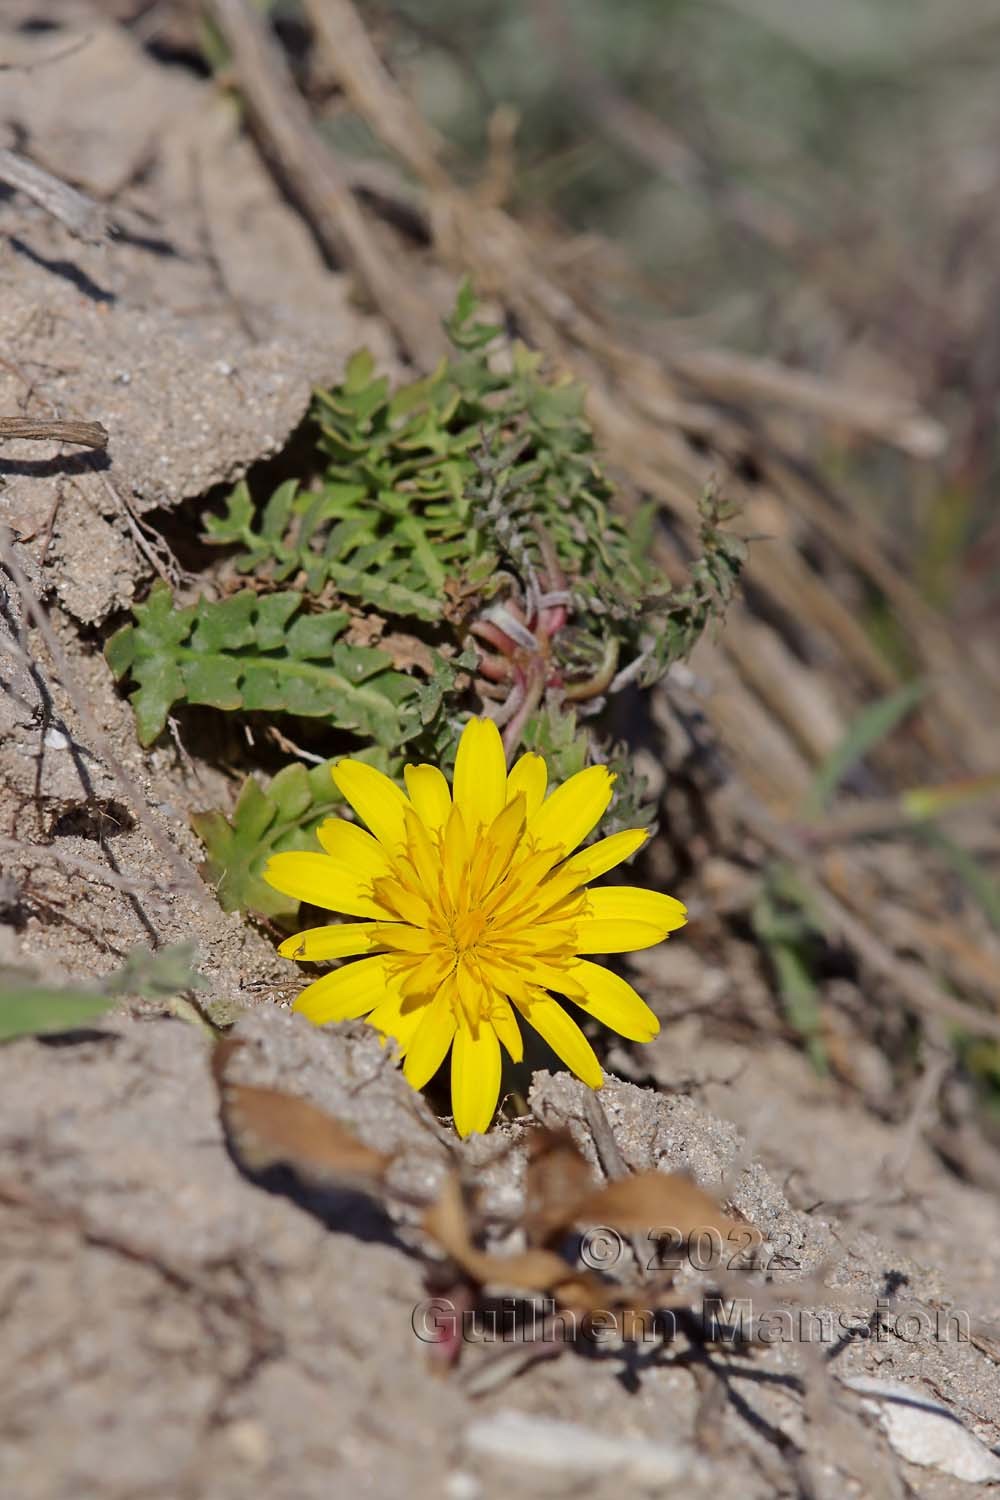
87, 434
910, 979
310, 172
80, 214
88, 869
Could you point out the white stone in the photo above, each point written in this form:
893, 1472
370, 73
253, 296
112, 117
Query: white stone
925, 1432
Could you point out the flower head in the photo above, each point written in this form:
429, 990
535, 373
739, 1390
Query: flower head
475, 909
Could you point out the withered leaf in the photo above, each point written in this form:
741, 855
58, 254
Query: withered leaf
268, 1128
364, 629
408, 651
557, 1180
526, 1270
560, 1193
649, 1200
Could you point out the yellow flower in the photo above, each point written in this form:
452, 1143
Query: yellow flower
475, 908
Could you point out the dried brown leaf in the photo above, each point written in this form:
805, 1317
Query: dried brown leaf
268, 1128
557, 1180
408, 652
447, 1223
560, 1193
653, 1200
364, 629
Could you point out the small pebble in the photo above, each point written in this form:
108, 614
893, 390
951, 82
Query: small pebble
462, 1486
571, 1449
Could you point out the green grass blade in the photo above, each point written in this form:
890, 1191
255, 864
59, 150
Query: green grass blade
872, 726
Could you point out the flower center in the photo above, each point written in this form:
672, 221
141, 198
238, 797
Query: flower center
466, 930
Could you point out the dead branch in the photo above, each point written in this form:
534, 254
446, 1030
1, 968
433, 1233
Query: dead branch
309, 171
87, 434
88, 869
402, 128
80, 214
727, 376
152, 546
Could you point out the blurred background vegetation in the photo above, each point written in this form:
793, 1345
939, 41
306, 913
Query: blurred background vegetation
814, 183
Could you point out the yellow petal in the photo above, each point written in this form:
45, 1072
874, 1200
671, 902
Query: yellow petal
323, 881
613, 935
520, 890
454, 853
612, 1001
400, 937
547, 940
557, 897
480, 781
502, 977
511, 983
376, 800
422, 853
528, 775
563, 1036
425, 979
332, 941
471, 994
496, 848
546, 976
354, 847
598, 858
433, 1037
573, 809
397, 1019
345, 994
504, 1023
630, 903
399, 901
475, 1078
428, 789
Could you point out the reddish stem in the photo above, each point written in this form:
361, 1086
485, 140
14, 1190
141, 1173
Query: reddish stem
487, 631
534, 689
496, 668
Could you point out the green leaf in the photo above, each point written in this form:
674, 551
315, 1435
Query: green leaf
873, 725
153, 975
800, 999
555, 734
119, 652
478, 482
463, 332
29, 1009
235, 525
32, 1010
787, 924
412, 496
282, 816
257, 652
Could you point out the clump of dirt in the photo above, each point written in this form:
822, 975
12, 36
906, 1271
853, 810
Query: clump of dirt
185, 1331
178, 335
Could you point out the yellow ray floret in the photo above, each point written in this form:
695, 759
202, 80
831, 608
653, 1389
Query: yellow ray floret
477, 912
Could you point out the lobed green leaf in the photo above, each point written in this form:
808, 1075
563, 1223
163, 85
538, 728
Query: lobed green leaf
266, 821
257, 653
